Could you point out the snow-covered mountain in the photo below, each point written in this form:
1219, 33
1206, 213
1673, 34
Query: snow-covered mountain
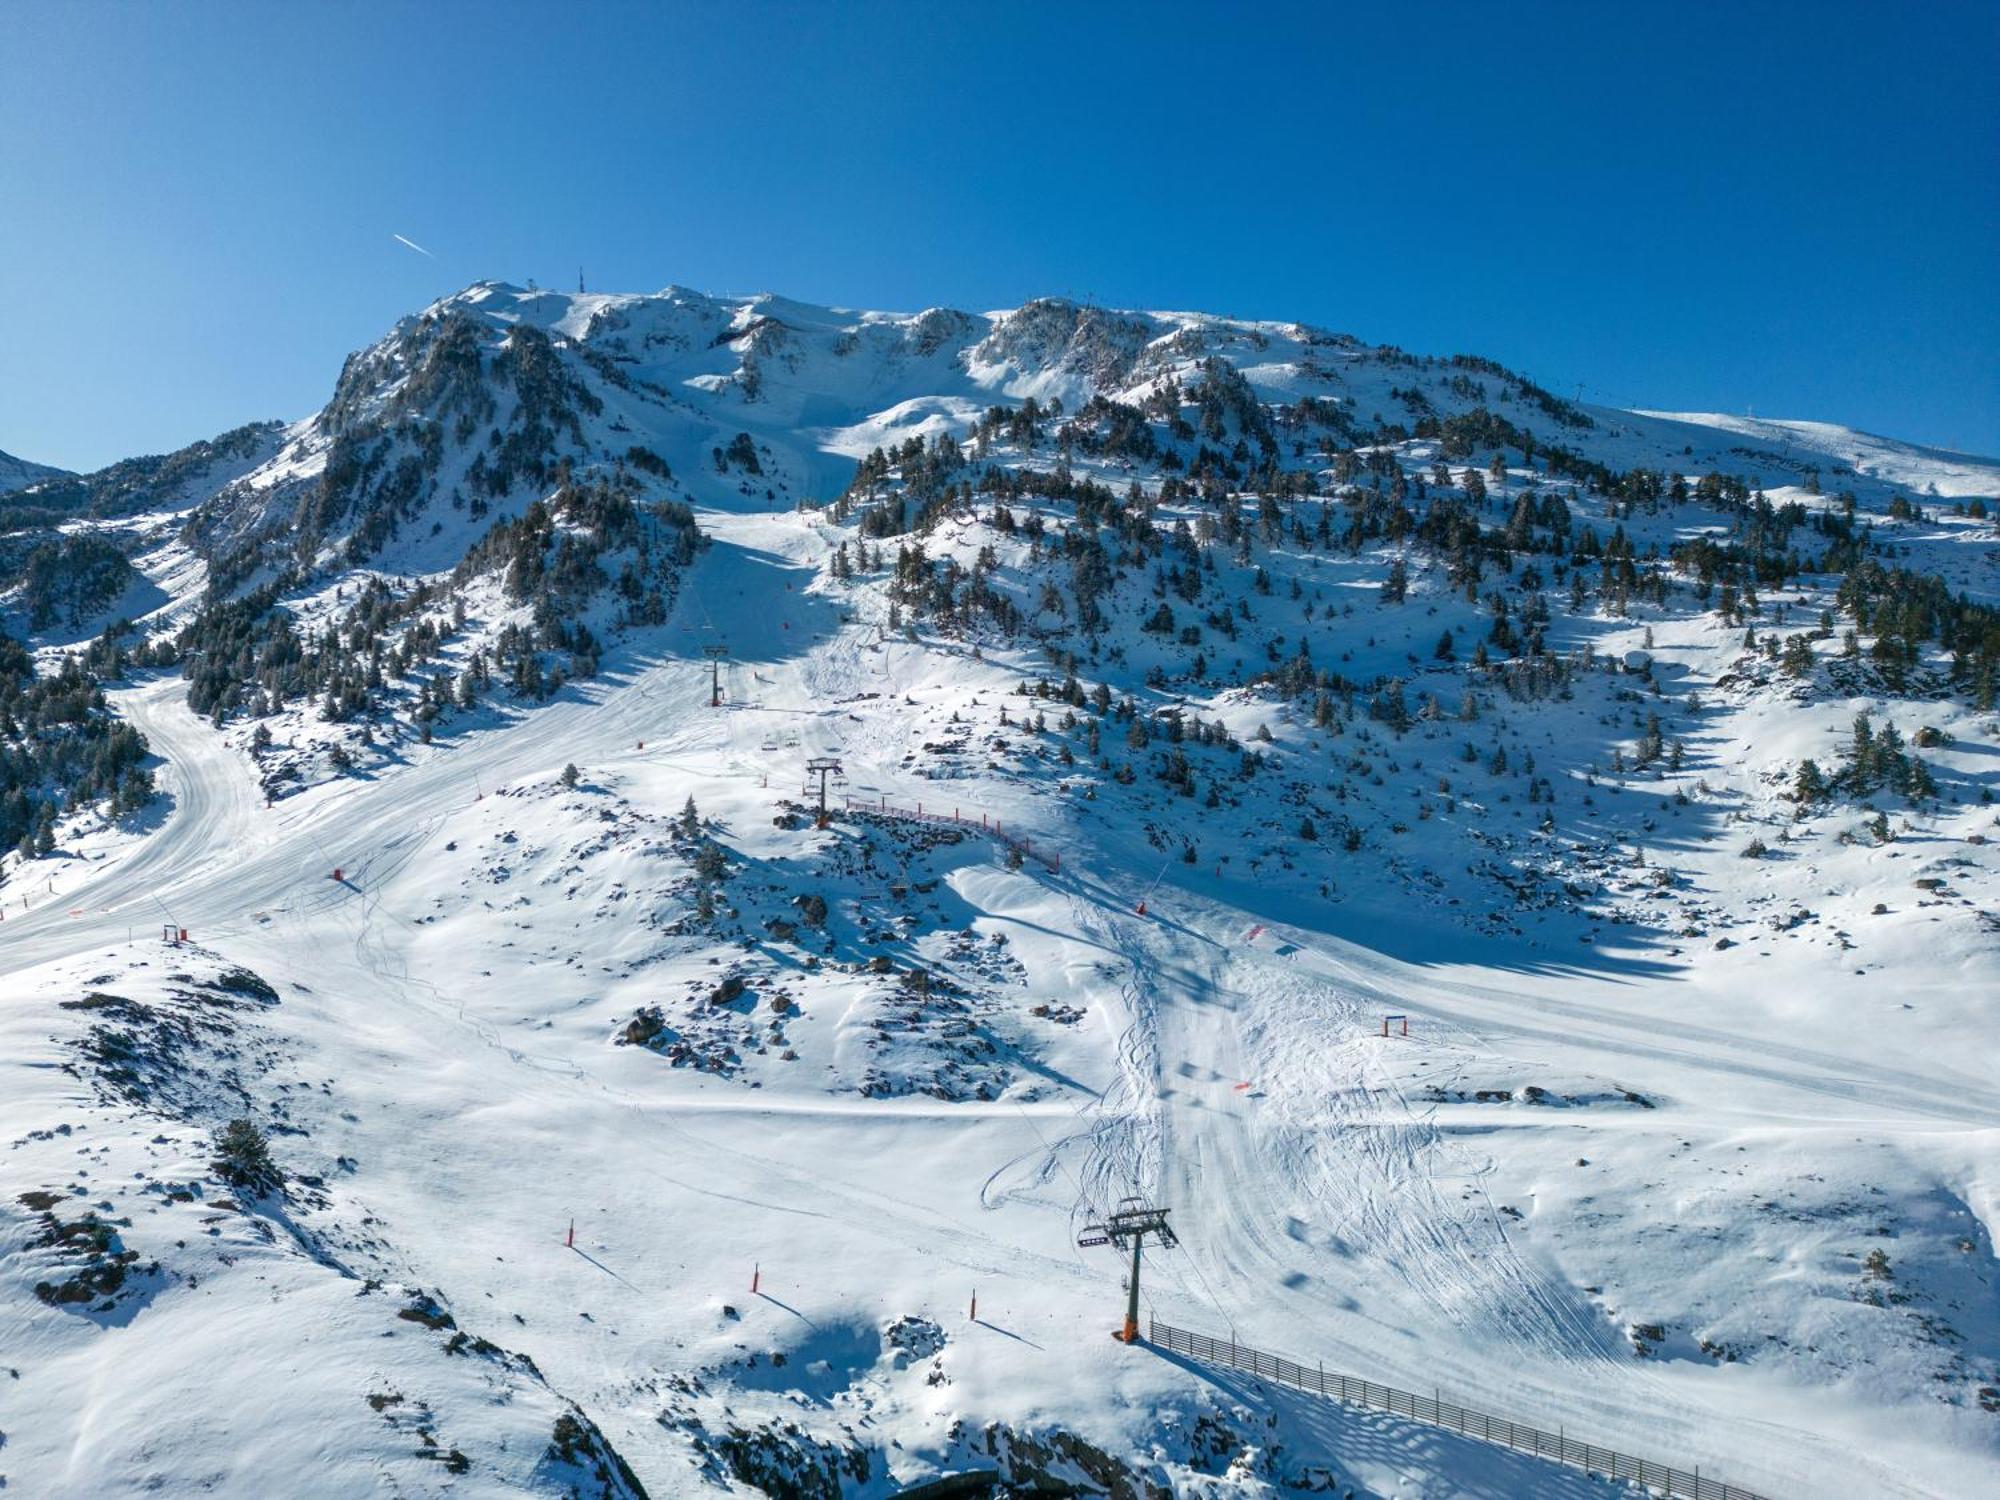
1931, 472
17, 473
66, 539
471, 405
1196, 695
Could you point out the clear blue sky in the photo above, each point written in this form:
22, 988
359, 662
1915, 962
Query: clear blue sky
1794, 208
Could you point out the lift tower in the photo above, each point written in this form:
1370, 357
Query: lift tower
715, 655
821, 766
1130, 1225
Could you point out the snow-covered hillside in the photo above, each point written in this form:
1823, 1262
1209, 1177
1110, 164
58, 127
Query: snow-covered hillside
17, 473
1202, 693
1931, 472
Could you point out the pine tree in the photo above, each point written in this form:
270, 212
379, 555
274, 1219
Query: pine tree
1922, 785
1808, 785
710, 863
243, 1157
1860, 771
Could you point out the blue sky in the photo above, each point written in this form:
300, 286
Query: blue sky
1791, 208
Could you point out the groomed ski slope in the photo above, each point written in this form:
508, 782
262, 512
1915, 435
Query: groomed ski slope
1228, 1065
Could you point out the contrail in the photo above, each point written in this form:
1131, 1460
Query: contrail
412, 244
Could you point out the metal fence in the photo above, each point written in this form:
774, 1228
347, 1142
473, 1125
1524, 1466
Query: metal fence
882, 807
1662, 1478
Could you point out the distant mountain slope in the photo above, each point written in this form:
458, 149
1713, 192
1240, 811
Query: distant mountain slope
64, 576
16, 473
1937, 472
156, 482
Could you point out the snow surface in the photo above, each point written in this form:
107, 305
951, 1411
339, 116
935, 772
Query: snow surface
1618, 1179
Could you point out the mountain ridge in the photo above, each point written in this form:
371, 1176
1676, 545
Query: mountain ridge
829, 384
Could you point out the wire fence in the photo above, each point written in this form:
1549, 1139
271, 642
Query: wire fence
1661, 1478
980, 823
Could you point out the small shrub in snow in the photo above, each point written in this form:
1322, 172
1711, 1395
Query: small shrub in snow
243, 1157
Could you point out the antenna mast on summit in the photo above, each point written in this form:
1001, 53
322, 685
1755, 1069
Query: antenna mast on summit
579, 278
